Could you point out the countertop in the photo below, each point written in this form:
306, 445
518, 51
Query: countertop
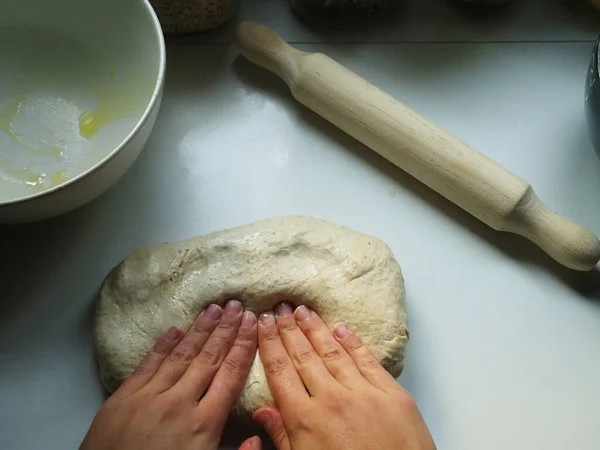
504, 342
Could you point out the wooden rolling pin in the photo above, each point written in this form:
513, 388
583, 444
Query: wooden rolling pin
460, 173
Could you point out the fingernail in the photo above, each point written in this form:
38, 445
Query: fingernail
266, 419
248, 320
302, 313
213, 312
284, 309
269, 422
173, 334
267, 318
341, 331
252, 443
233, 307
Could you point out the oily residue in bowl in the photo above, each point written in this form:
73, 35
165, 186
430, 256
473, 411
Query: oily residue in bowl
48, 131
60, 112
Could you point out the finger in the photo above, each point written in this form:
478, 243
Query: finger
338, 362
283, 378
364, 358
271, 420
162, 348
230, 379
175, 365
197, 378
311, 368
253, 443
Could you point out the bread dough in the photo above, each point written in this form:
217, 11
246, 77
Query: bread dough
344, 275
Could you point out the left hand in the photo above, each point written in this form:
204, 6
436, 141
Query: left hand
181, 394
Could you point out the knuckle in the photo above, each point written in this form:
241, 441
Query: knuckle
303, 357
176, 364
162, 347
372, 402
226, 325
245, 347
247, 337
337, 402
271, 334
313, 326
203, 325
353, 344
286, 323
215, 349
170, 406
369, 362
222, 341
210, 357
343, 372
300, 419
235, 366
332, 353
205, 422
275, 366
172, 402
183, 352
141, 370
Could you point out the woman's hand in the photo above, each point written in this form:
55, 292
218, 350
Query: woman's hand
182, 393
330, 390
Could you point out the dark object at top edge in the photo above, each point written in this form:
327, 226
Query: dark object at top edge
592, 99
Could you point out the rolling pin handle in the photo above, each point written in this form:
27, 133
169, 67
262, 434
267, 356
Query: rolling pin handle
568, 242
262, 46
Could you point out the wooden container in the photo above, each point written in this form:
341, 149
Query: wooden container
189, 16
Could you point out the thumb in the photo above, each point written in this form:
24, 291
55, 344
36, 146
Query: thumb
252, 443
270, 418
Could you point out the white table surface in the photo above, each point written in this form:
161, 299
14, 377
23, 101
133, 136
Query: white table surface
505, 343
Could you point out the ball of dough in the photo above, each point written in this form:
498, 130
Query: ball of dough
344, 275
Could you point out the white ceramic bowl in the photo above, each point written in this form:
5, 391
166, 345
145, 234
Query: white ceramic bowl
80, 87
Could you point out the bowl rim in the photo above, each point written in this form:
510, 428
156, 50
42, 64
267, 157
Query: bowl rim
156, 94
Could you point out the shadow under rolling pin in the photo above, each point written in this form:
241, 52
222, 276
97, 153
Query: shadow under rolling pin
466, 177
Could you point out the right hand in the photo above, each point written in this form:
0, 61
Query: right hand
330, 390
